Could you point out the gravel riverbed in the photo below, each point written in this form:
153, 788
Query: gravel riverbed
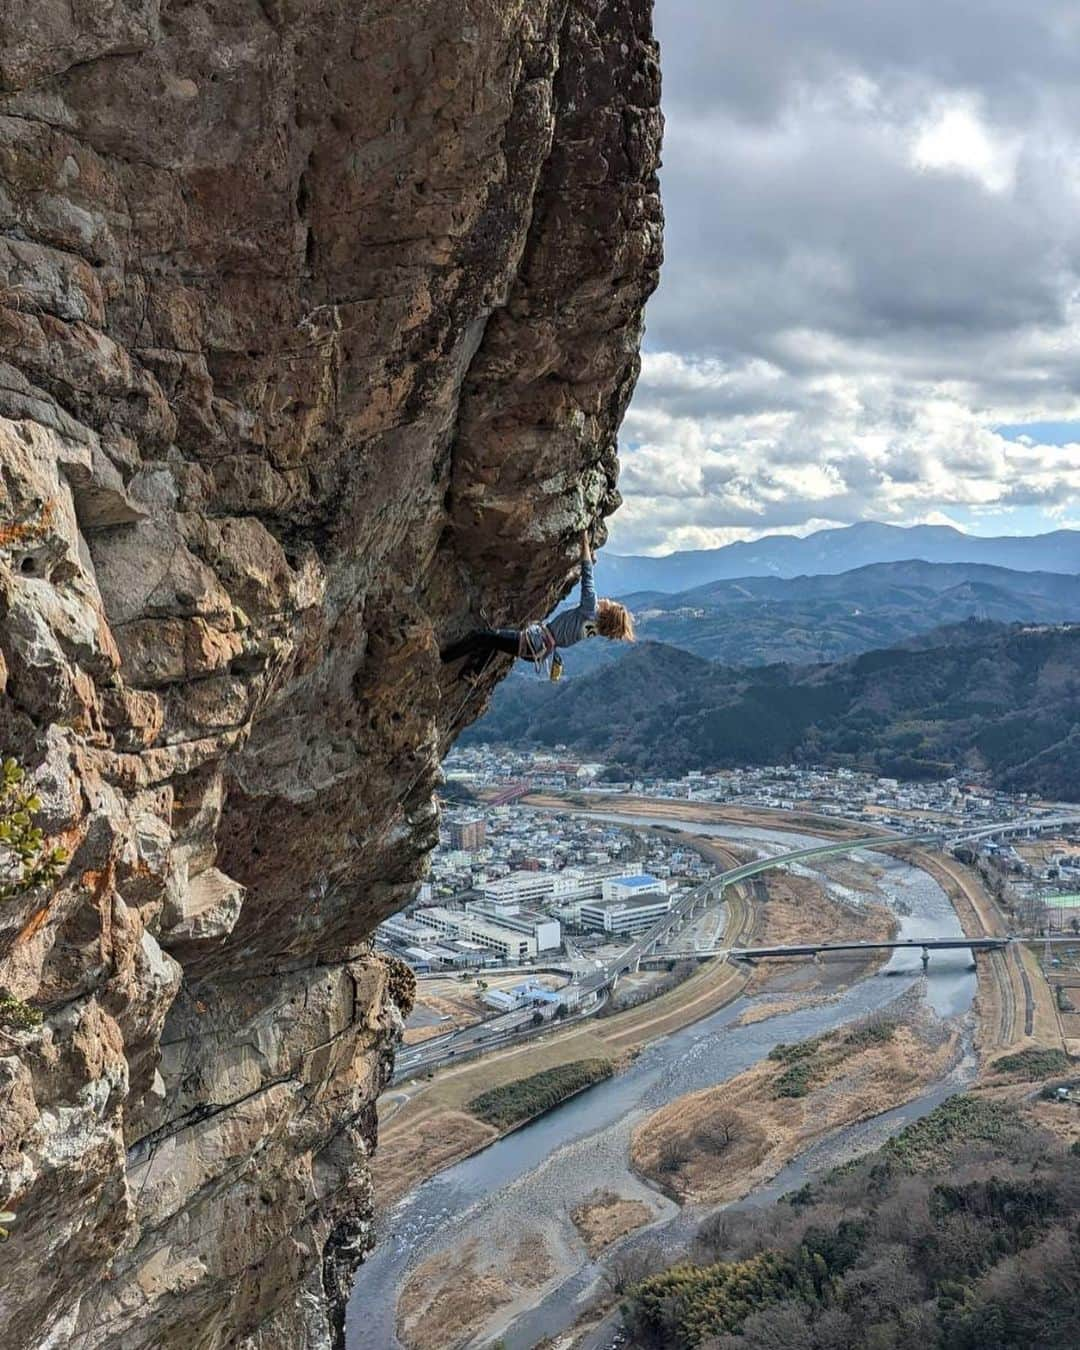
532, 1179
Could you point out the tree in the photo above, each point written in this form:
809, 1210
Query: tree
26, 860
714, 1234
720, 1131
673, 1154
629, 1267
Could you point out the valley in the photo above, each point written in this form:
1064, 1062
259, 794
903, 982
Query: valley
523, 1213
991, 703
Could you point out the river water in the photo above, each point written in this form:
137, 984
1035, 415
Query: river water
531, 1179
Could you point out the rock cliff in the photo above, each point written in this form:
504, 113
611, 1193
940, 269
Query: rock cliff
317, 322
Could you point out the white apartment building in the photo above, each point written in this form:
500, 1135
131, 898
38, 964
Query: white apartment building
583, 883
508, 943
624, 917
408, 931
521, 888
506, 914
561, 888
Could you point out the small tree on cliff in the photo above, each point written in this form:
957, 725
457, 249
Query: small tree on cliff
26, 863
26, 860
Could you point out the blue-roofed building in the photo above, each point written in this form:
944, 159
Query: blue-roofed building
525, 995
631, 887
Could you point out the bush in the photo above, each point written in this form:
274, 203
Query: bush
963, 1119
528, 1097
795, 1081
673, 1155
791, 1054
809, 1060
1033, 1064
26, 860
878, 1031
16, 1015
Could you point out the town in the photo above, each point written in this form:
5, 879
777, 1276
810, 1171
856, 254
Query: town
519, 884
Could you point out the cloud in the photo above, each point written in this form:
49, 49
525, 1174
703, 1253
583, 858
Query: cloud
873, 259
697, 465
956, 140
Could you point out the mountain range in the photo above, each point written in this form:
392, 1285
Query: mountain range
980, 697
837, 550
761, 620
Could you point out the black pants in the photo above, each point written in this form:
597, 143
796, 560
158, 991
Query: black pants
483, 641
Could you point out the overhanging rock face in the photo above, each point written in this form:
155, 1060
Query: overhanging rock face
318, 321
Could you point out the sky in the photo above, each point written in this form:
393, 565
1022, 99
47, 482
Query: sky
870, 302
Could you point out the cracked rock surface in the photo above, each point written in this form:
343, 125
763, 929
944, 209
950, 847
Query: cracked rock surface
317, 322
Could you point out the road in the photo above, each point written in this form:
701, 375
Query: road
590, 989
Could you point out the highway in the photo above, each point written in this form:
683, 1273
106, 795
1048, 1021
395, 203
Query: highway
590, 989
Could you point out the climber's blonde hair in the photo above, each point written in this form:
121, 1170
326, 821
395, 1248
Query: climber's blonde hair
614, 621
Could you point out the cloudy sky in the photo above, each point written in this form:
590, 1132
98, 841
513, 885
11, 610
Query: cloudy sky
870, 307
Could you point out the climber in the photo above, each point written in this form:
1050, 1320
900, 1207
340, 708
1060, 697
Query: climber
539, 642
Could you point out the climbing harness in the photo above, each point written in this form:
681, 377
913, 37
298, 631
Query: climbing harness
537, 644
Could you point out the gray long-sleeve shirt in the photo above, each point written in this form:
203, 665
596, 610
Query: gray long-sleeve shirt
571, 625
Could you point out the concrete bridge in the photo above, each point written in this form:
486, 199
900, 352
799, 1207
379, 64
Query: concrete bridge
816, 949
926, 945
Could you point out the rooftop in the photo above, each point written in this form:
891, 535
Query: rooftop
618, 906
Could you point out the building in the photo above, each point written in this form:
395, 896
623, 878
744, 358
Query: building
630, 888
584, 883
624, 917
468, 835
508, 943
573, 885
521, 887
406, 932
525, 995
546, 931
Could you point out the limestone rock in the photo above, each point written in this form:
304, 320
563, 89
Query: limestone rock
317, 322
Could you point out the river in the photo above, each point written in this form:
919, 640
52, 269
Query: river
529, 1180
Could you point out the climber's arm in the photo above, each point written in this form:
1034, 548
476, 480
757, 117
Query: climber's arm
588, 586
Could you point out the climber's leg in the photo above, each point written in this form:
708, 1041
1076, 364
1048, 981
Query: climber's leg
483, 641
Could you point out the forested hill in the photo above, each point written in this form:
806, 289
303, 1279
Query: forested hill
976, 696
758, 621
761, 620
